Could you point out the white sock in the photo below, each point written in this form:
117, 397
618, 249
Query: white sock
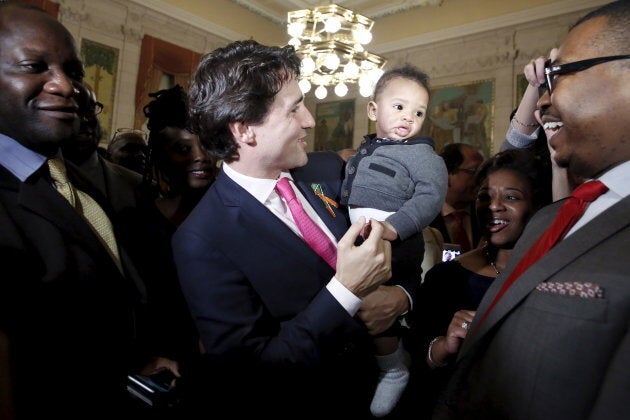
392, 381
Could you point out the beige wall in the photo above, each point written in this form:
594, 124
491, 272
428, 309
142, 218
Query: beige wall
495, 48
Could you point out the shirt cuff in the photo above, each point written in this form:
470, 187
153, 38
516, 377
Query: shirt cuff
520, 140
345, 297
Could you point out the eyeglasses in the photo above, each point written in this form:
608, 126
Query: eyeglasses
551, 71
135, 131
91, 113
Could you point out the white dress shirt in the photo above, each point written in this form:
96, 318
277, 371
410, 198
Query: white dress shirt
264, 191
616, 179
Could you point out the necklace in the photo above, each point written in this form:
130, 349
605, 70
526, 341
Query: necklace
486, 253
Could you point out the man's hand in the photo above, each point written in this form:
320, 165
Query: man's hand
361, 269
382, 307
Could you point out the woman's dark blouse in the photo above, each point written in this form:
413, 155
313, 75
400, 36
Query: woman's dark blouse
447, 288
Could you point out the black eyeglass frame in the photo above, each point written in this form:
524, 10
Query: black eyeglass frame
553, 70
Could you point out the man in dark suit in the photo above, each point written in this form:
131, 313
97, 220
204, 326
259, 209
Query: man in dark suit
117, 183
280, 324
556, 345
457, 214
69, 310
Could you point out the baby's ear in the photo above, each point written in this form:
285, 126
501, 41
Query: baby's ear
371, 110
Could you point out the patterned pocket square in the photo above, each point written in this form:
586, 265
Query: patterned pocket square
573, 288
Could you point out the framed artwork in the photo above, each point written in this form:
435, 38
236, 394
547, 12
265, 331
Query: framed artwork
334, 128
101, 66
462, 113
521, 86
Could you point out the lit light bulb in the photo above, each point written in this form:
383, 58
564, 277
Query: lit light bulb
295, 43
332, 25
332, 61
296, 29
351, 70
341, 89
366, 91
305, 86
362, 35
308, 66
365, 80
375, 74
321, 92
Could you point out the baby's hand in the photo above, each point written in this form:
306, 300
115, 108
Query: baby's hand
389, 233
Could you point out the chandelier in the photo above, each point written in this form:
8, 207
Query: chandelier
330, 39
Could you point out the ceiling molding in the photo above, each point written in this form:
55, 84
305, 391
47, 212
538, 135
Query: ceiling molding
262, 11
190, 19
529, 15
382, 10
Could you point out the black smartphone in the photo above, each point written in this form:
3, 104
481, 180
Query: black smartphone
155, 389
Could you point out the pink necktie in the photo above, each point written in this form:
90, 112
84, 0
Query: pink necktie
313, 234
567, 216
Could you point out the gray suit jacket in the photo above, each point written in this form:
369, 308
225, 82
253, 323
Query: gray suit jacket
542, 355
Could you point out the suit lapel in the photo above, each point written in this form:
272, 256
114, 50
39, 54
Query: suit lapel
589, 236
38, 196
337, 224
260, 222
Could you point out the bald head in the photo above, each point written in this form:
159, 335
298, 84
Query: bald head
39, 77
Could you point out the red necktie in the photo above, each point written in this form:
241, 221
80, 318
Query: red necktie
313, 234
459, 232
568, 214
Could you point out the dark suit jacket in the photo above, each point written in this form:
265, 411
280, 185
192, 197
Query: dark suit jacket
115, 182
541, 355
257, 293
70, 316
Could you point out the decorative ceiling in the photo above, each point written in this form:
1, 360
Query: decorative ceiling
276, 10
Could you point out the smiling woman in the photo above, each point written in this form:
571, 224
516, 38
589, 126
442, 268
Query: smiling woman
512, 186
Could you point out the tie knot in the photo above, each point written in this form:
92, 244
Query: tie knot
57, 171
283, 186
589, 191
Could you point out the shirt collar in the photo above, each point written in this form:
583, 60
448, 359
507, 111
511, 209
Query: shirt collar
19, 160
261, 189
616, 179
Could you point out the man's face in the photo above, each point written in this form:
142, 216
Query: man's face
279, 139
461, 182
586, 116
129, 149
39, 70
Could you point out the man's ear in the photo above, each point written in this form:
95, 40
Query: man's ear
241, 132
371, 110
